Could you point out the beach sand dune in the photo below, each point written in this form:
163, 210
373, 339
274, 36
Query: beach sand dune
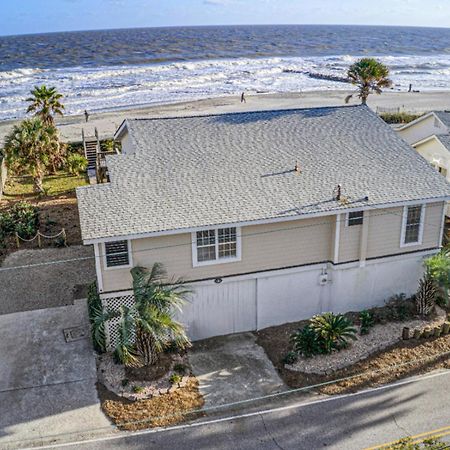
108, 122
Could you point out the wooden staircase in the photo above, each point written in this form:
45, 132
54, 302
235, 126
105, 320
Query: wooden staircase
91, 147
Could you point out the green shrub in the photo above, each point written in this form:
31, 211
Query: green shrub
138, 389
76, 164
438, 269
305, 342
367, 322
399, 117
400, 308
96, 317
125, 382
290, 357
409, 444
21, 218
333, 331
175, 378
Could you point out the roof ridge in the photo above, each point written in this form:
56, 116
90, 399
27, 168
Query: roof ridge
236, 113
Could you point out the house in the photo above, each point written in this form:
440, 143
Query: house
270, 216
430, 136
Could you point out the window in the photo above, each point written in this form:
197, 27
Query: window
412, 225
117, 254
442, 171
216, 246
355, 218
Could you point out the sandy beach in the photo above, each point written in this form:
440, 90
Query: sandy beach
107, 123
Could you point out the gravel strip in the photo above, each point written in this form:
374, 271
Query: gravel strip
44, 286
379, 338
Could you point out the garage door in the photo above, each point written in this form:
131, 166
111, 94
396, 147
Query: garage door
219, 309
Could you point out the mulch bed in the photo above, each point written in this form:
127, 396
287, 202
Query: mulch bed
164, 410
376, 370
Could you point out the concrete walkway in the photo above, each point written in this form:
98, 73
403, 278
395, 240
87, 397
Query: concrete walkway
47, 385
233, 368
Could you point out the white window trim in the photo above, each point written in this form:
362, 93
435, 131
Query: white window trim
403, 233
347, 217
236, 258
130, 257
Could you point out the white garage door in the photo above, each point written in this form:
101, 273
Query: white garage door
219, 309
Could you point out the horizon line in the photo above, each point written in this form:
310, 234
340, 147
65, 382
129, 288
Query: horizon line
224, 26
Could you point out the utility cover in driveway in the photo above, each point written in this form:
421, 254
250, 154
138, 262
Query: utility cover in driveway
47, 385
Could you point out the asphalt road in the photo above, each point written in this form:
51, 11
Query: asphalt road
350, 422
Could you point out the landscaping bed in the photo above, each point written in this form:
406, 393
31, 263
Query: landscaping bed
418, 357
164, 410
162, 394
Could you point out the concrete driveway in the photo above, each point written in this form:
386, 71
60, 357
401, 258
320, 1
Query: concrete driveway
47, 385
233, 368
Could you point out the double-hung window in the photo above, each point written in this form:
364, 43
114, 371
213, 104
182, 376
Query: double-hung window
412, 228
117, 254
355, 218
214, 246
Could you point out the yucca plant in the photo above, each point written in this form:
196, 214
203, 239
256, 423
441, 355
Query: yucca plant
333, 330
426, 295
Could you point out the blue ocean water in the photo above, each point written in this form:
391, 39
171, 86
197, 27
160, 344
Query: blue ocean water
103, 70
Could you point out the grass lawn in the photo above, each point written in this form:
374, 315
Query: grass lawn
54, 185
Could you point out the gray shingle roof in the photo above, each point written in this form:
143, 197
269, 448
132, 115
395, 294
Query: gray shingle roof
229, 168
445, 140
444, 117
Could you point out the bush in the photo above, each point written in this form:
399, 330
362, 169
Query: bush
290, 357
333, 331
400, 117
409, 444
438, 269
137, 389
175, 378
76, 164
367, 322
96, 316
21, 218
306, 342
397, 309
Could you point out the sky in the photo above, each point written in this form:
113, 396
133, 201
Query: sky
39, 16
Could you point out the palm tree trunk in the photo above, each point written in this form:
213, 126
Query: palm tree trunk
146, 348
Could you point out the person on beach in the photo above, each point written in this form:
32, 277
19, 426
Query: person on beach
243, 98
86, 115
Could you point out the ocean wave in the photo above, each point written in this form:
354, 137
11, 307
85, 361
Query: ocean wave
97, 88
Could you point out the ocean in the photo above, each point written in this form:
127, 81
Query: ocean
106, 70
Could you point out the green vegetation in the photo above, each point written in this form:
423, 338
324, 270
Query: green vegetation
148, 327
95, 311
438, 269
369, 75
410, 444
21, 218
399, 117
31, 149
175, 378
76, 164
53, 185
180, 368
138, 389
45, 103
367, 322
323, 334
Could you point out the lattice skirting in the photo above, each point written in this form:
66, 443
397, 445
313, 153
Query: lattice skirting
112, 326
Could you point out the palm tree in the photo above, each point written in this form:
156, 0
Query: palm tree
45, 103
148, 327
29, 149
369, 75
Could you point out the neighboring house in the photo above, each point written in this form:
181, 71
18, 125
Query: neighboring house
246, 207
430, 136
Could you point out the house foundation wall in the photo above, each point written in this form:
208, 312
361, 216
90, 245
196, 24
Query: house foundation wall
252, 302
